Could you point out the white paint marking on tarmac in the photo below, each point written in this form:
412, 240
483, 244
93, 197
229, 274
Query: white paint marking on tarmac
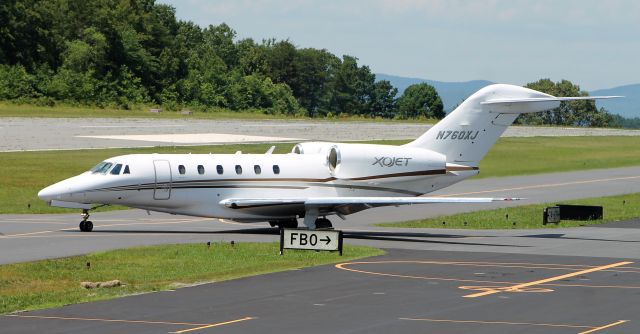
131, 126
195, 138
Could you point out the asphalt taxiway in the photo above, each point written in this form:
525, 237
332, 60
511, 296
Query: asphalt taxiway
405, 291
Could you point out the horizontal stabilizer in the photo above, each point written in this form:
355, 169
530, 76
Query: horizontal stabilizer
546, 99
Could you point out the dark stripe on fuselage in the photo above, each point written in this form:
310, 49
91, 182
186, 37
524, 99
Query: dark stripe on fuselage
343, 186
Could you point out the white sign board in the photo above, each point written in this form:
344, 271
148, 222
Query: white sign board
311, 239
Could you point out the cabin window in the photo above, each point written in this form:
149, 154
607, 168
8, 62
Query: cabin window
238, 169
276, 169
181, 169
101, 168
257, 169
97, 167
219, 169
200, 169
126, 170
116, 170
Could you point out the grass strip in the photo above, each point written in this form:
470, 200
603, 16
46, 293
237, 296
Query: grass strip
615, 208
53, 283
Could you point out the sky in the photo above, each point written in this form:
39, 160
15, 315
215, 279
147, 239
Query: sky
593, 43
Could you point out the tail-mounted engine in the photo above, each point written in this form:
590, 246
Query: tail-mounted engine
382, 162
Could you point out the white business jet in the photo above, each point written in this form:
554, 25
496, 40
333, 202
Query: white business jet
315, 180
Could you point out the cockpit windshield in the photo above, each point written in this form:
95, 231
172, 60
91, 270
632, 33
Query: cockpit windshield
101, 168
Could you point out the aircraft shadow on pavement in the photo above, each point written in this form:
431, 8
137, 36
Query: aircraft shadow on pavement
411, 237
562, 236
362, 235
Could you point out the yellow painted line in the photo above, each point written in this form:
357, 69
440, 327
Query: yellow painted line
34, 233
548, 185
108, 225
527, 265
343, 266
200, 326
32, 222
106, 320
619, 322
547, 280
497, 323
212, 325
224, 221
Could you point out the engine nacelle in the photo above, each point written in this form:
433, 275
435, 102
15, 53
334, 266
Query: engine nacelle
312, 147
383, 162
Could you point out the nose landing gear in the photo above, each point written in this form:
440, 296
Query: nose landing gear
86, 225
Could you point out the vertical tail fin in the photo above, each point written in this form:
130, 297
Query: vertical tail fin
466, 134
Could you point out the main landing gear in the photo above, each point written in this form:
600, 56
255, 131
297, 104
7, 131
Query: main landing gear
320, 223
86, 225
289, 223
313, 220
323, 223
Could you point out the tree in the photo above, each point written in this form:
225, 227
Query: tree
570, 113
111, 52
420, 100
383, 102
313, 70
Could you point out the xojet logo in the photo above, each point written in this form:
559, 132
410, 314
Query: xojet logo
390, 161
460, 135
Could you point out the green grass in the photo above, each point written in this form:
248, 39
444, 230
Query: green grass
52, 283
615, 208
524, 156
23, 174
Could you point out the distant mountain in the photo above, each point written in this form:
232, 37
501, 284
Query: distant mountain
628, 107
452, 93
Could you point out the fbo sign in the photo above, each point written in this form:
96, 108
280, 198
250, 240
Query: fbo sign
311, 240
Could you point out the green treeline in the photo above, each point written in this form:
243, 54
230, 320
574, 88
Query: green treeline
570, 113
125, 53
112, 52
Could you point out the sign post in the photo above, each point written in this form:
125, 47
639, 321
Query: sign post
318, 240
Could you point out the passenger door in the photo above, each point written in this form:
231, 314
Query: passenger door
162, 189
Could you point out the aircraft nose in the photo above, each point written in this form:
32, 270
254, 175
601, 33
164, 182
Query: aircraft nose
51, 192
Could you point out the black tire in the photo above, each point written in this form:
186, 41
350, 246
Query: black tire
292, 223
323, 223
88, 226
82, 226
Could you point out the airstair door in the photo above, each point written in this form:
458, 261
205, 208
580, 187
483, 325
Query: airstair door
162, 190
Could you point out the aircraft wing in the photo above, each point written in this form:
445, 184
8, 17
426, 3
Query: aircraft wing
345, 205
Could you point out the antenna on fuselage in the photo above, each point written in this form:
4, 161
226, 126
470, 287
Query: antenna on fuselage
270, 150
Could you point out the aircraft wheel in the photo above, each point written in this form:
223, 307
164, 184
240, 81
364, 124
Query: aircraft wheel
88, 226
292, 223
82, 226
323, 223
